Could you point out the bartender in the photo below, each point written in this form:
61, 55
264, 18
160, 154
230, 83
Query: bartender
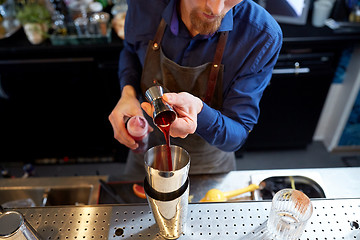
215, 57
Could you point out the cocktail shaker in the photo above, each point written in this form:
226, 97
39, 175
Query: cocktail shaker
167, 192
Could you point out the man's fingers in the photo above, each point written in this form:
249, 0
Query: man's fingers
174, 98
181, 128
121, 134
147, 107
127, 140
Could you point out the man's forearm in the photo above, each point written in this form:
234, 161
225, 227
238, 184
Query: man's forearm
129, 68
128, 91
219, 130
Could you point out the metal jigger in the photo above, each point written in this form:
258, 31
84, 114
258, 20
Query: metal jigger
161, 109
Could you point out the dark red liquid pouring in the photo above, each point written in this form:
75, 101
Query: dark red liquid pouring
163, 122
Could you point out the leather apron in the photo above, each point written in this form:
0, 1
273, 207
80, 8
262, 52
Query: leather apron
205, 82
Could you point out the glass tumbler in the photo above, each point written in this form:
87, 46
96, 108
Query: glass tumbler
290, 211
13, 226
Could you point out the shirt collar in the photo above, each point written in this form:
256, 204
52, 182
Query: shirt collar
170, 15
174, 24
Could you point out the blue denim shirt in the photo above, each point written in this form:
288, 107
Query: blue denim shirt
253, 45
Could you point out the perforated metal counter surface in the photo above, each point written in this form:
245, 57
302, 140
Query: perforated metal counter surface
331, 219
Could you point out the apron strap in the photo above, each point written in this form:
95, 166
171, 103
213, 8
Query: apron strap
159, 34
215, 67
216, 62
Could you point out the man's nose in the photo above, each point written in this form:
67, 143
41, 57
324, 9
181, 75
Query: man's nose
216, 6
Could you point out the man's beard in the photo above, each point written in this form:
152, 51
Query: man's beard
205, 27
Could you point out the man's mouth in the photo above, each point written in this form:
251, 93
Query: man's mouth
209, 16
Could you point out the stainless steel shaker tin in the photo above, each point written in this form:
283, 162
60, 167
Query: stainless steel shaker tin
167, 181
171, 215
167, 192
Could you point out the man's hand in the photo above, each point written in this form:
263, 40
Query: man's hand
187, 108
127, 107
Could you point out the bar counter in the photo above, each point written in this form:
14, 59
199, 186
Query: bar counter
331, 219
335, 217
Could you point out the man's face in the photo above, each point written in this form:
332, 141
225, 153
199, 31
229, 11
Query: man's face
206, 15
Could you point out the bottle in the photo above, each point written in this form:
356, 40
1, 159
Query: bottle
137, 127
355, 14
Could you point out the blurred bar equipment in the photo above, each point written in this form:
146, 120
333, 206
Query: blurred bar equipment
99, 23
14, 226
81, 25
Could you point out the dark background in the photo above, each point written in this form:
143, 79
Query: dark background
55, 100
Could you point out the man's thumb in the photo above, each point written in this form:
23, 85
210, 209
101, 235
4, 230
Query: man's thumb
168, 97
147, 108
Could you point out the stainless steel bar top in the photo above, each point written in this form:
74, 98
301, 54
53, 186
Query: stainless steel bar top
331, 219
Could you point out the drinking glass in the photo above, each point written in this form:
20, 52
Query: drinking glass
290, 211
321, 12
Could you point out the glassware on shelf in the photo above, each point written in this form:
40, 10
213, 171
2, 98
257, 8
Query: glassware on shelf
95, 7
85, 23
120, 6
81, 25
99, 23
118, 12
59, 25
355, 14
8, 22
